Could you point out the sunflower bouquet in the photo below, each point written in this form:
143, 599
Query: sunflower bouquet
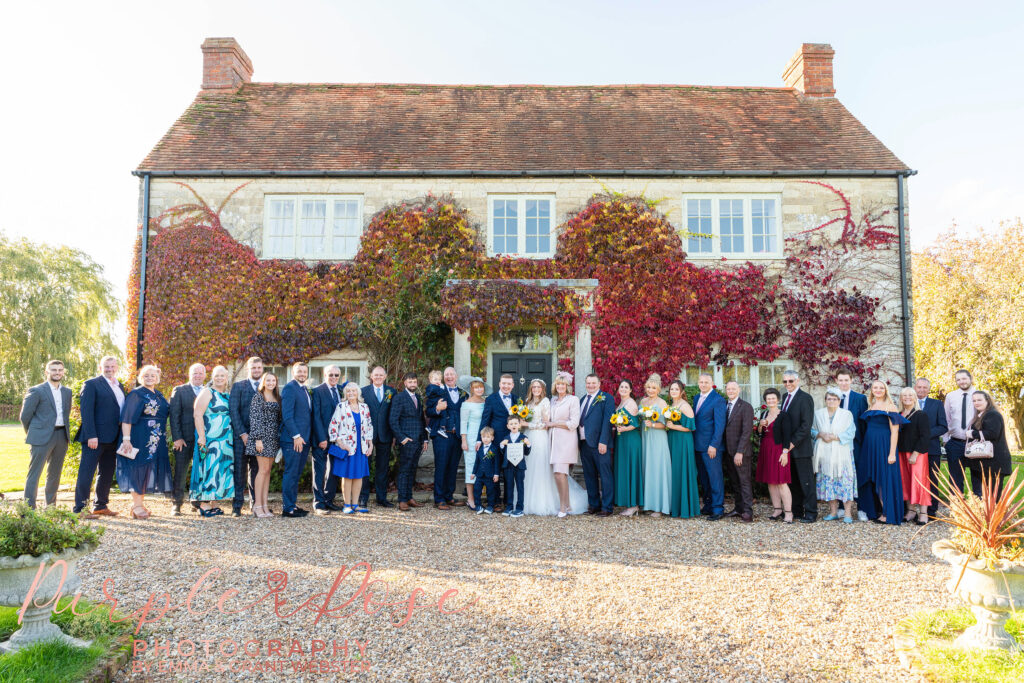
523, 412
672, 414
620, 418
649, 413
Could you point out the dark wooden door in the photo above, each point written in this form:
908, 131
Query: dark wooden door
524, 368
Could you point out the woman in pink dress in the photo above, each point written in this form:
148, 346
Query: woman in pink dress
565, 447
772, 459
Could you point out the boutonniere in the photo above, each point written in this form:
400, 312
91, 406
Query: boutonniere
463, 395
599, 397
388, 396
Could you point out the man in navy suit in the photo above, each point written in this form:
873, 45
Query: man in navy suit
447, 444
495, 416
377, 395
410, 430
296, 431
856, 403
936, 412
183, 431
101, 401
326, 398
595, 432
709, 413
239, 403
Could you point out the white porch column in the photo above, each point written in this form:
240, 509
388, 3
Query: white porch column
584, 361
462, 364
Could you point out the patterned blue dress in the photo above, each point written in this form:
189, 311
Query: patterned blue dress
885, 479
357, 465
150, 472
213, 472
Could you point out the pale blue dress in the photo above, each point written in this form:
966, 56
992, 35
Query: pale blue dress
657, 469
470, 415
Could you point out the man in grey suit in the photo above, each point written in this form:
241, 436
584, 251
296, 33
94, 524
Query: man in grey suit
46, 415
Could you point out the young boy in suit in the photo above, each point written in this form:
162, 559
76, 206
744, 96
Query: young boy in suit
444, 424
514, 474
488, 462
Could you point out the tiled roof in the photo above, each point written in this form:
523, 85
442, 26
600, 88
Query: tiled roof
519, 128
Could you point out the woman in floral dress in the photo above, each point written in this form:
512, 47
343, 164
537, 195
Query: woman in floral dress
213, 462
144, 426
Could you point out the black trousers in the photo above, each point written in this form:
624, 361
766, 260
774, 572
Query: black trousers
246, 467
182, 461
381, 466
739, 482
105, 456
802, 484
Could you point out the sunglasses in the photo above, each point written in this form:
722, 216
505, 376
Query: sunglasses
334, 374
789, 381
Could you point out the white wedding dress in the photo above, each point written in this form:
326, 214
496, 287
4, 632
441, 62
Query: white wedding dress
541, 496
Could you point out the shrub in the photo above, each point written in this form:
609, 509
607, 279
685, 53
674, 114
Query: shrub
23, 531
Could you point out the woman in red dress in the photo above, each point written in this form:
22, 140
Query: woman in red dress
773, 458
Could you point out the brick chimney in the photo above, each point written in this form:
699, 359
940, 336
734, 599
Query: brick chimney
225, 64
810, 70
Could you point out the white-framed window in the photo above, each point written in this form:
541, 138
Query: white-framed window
733, 226
521, 225
314, 227
351, 371
753, 379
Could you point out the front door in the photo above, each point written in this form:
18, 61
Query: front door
524, 368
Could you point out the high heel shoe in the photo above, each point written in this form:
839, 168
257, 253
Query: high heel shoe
776, 518
139, 515
630, 512
562, 513
790, 520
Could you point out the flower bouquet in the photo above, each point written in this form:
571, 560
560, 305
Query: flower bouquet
649, 413
620, 418
523, 412
672, 415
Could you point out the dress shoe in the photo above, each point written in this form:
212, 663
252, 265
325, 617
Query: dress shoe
415, 504
321, 511
746, 519
105, 512
403, 506
732, 513
176, 510
442, 506
333, 507
294, 513
87, 515
591, 511
236, 512
603, 513
808, 520
385, 504
456, 503
715, 518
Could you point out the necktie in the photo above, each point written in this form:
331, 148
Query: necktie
785, 405
728, 411
380, 394
334, 393
255, 384
196, 389
921, 403
846, 397
415, 403
586, 405
963, 412
700, 401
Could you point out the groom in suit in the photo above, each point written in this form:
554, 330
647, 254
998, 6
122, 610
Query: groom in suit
410, 430
595, 432
495, 416
708, 442
856, 403
101, 401
447, 444
377, 395
296, 431
936, 413
739, 425
799, 405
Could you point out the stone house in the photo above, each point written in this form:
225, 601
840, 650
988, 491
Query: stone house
732, 164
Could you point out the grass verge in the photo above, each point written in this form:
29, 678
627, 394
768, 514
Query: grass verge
941, 661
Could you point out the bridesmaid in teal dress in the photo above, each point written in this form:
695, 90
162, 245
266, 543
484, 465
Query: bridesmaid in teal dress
657, 461
685, 500
629, 455
213, 461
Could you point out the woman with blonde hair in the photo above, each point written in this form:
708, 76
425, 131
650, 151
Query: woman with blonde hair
470, 414
352, 431
565, 447
264, 435
144, 427
213, 462
912, 445
879, 458
657, 458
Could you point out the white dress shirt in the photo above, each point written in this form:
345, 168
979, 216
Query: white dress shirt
954, 410
118, 394
59, 402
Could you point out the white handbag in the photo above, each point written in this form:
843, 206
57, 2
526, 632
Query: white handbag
979, 449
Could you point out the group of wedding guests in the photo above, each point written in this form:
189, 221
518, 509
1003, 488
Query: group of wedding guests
638, 451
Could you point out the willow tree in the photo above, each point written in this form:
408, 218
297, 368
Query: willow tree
54, 303
968, 313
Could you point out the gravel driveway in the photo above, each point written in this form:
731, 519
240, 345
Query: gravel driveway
579, 598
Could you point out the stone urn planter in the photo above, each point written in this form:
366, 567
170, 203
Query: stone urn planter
16, 577
992, 593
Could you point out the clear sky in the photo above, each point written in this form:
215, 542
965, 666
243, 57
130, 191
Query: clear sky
90, 87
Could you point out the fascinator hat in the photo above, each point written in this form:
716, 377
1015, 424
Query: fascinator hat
835, 392
562, 376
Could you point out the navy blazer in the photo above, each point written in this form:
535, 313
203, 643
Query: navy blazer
858, 405
239, 403
597, 422
451, 415
296, 412
380, 412
183, 421
406, 418
710, 418
101, 415
495, 416
323, 410
487, 467
504, 452
936, 413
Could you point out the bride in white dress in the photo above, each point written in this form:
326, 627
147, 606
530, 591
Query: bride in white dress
541, 492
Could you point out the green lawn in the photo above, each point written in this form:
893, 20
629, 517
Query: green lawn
14, 458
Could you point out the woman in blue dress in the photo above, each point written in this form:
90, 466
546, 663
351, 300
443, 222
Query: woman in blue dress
144, 426
880, 459
657, 464
352, 431
213, 461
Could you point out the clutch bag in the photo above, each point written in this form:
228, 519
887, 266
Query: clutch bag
127, 450
337, 451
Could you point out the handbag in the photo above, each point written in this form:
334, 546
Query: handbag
337, 451
979, 449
